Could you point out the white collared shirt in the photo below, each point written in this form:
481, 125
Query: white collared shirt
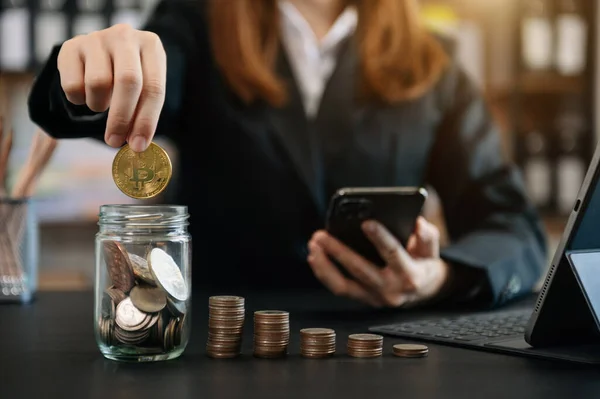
313, 62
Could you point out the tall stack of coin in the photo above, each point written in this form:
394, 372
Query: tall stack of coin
146, 304
226, 315
365, 345
317, 343
271, 333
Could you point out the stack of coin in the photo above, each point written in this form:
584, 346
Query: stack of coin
410, 350
365, 345
146, 304
271, 333
226, 315
317, 343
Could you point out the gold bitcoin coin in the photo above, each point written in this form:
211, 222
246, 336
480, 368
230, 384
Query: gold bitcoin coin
142, 175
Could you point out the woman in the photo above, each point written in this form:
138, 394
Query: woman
273, 106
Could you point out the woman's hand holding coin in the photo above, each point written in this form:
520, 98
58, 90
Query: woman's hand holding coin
121, 69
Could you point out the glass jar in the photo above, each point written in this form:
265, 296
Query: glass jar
143, 282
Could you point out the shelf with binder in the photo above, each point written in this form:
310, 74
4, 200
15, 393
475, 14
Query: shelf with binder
29, 29
553, 99
550, 83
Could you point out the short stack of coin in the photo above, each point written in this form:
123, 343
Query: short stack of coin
365, 345
146, 304
317, 343
271, 333
225, 326
410, 350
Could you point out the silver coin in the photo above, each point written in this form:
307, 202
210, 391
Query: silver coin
141, 269
128, 316
166, 273
177, 308
148, 299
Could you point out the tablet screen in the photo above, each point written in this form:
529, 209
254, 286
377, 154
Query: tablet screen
587, 234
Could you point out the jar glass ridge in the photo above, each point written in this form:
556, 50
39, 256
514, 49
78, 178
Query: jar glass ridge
143, 282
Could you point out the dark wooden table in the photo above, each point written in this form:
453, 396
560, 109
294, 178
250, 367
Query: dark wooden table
47, 350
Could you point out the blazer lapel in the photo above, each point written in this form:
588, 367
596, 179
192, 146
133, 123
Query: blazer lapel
340, 116
292, 130
306, 142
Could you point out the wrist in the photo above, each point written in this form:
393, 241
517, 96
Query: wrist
446, 282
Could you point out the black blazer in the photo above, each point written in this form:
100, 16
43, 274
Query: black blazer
257, 180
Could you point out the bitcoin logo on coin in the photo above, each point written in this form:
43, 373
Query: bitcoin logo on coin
142, 175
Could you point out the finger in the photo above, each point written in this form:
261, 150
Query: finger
388, 246
409, 301
98, 75
71, 71
360, 268
154, 70
427, 237
329, 275
127, 88
411, 245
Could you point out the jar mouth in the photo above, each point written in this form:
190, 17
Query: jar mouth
143, 215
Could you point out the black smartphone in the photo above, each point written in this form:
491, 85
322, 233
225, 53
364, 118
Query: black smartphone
397, 208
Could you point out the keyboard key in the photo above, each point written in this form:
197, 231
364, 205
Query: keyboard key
468, 338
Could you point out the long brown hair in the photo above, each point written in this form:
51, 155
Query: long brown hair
399, 59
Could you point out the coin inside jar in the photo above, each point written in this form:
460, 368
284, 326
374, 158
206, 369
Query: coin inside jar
177, 308
118, 265
148, 299
141, 269
116, 294
167, 275
128, 317
108, 306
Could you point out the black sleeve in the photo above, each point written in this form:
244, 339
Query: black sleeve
498, 244
51, 111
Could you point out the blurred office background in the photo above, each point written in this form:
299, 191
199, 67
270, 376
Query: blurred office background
535, 61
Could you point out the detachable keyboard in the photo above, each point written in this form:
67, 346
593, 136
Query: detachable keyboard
472, 330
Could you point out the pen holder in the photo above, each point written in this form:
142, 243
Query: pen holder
19, 249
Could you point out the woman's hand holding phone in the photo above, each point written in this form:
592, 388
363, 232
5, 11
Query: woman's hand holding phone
411, 275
